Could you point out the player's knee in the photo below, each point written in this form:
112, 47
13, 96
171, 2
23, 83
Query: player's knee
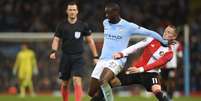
106, 76
93, 87
77, 80
103, 81
65, 83
156, 89
115, 82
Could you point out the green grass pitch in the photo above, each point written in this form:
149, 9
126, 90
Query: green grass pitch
117, 98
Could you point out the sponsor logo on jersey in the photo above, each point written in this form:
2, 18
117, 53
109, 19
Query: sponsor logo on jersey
152, 45
77, 35
113, 37
161, 53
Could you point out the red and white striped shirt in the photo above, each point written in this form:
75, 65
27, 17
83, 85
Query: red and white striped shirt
177, 52
153, 57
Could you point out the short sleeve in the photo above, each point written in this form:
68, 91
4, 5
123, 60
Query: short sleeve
58, 31
87, 31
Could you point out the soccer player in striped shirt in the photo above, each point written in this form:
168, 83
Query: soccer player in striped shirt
145, 71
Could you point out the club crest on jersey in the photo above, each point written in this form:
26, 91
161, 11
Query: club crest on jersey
77, 35
161, 53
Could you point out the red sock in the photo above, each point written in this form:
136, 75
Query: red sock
64, 92
78, 92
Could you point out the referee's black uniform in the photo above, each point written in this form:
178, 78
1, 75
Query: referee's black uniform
71, 35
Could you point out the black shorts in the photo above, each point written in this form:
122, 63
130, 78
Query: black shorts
71, 65
145, 79
168, 73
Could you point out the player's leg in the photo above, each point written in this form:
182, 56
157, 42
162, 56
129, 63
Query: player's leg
31, 88
65, 89
171, 83
99, 95
77, 72
112, 68
121, 79
22, 83
64, 75
22, 87
30, 83
94, 85
106, 76
78, 92
168, 78
152, 83
161, 96
164, 79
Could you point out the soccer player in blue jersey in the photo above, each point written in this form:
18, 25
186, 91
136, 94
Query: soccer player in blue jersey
117, 32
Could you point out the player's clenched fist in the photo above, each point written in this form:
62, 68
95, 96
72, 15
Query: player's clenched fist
134, 70
53, 55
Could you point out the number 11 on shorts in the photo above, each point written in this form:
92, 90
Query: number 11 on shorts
154, 80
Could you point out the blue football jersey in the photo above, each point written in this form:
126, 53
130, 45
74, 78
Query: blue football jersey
116, 36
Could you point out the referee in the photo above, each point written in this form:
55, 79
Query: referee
70, 33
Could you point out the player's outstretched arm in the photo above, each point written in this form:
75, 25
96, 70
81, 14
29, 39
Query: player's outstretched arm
160, 62
157, 64
138, 30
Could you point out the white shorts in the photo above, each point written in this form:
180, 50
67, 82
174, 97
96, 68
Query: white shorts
114, 65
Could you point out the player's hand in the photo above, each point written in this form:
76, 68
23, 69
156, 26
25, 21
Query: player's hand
165, 43
35, 71
135, 70
53, 55
132, 70
14, 71
117, 55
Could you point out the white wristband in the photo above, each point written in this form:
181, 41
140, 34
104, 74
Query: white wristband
141, 69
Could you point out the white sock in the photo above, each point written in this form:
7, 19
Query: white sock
107, 92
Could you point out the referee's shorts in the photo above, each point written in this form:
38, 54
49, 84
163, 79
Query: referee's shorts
145, 79
71, 65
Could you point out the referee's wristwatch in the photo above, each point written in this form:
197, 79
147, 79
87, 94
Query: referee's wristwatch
53, 51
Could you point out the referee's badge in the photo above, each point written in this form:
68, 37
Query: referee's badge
77, 35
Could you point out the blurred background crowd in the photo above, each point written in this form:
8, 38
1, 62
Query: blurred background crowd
44, 15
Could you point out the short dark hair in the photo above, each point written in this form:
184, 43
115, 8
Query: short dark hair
72, 3
113, 5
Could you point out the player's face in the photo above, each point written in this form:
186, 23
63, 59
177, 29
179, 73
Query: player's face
24, 46
169, 33
111, 13
72, 11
